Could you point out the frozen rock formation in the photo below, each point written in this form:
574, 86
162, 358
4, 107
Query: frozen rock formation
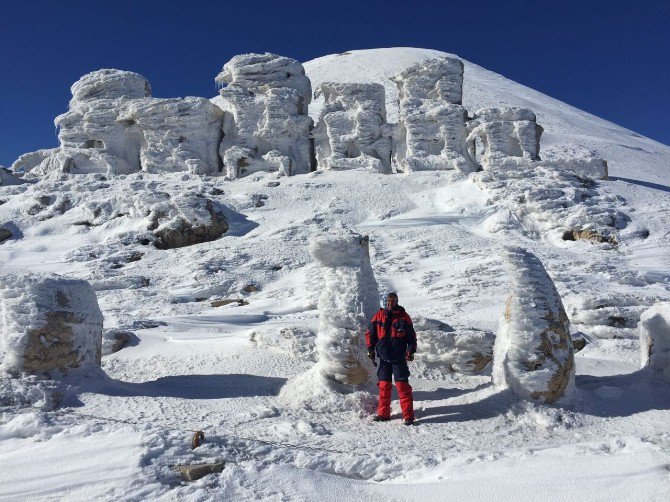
48, 324
654, 329
432, 130
265, 97
352, 131
30, 160
533, 354
348, 300
113, 126
498, 133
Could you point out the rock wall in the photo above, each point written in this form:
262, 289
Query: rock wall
266, 125
352, 131
533, 354
654, 330
48, 324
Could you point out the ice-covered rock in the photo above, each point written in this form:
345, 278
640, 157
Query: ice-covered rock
113, 126
438, 79
176, 134
348, 300
432, 130
48, 324
497, 133
110, 84
654, 329
533, 354
30, 160
352, 131
266, 98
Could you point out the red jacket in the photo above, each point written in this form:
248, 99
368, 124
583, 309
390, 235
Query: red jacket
391, 333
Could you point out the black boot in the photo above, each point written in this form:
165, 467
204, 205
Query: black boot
409, 421
378, 418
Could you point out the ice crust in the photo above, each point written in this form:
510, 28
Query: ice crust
48, 324
533, 354
654, 330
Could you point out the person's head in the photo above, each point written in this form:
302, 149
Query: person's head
391, 300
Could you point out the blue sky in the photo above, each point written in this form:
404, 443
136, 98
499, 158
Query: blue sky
610, 58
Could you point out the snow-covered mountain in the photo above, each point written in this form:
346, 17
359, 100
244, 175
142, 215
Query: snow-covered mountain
219, 327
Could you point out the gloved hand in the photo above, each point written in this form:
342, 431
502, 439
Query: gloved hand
410, 357
371, 355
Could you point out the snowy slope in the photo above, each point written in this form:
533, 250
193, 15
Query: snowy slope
220, 369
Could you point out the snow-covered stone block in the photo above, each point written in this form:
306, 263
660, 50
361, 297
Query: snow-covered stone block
266, 98
654, 330
432, 130
48, 324
533, 354
497, 133
460, 350
352, 131
109, 83
431, 136
113, 126
176, 134
347, 302
439, 79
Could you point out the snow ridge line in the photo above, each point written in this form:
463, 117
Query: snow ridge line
171, 428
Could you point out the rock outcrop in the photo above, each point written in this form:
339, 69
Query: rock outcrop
432, 130
266, 127
48, 324
533, 353
352, 131
8, 178
654, 330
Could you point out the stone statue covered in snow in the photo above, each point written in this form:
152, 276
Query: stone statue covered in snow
432, 129
348, 299
533, 354
114, 126
352, 130
266, 125
654, 328
48, 324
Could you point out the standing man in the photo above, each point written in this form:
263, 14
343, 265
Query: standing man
391, 335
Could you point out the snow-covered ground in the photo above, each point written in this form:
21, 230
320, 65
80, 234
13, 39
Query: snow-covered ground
434, 238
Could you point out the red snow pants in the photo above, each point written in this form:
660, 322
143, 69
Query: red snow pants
384, 372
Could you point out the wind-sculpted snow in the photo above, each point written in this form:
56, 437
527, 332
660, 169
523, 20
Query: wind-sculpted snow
533, 354
48, 324
352, 131
109, 84
346, 303
654, 329
266, 126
